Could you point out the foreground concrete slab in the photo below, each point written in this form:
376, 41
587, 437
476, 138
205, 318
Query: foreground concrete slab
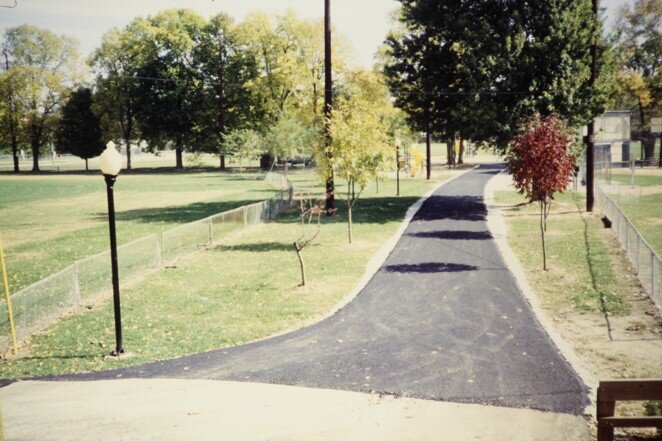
135, 409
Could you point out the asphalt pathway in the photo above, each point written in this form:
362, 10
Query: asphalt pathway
442, 319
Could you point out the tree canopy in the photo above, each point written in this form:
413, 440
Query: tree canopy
40, 68
478, 67
79, 128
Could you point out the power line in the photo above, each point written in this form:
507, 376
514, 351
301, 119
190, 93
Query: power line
397, 92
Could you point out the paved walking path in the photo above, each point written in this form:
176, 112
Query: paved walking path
442, 319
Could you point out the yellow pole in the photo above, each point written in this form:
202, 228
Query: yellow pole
8, 297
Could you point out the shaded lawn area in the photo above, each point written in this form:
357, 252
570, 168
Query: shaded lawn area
49, 221
243, 289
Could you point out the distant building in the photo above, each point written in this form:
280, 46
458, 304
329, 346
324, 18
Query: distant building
612, 135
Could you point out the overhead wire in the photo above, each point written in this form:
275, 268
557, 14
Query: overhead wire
396, 92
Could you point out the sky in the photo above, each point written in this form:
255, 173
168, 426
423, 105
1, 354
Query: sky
364, 23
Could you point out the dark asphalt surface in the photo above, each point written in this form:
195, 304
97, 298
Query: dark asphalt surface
442, 319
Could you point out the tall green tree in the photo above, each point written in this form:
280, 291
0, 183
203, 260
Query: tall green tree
116, 64
46, 66
639, 53
475, 68
170, 97
79, 128
13, 108
224, 67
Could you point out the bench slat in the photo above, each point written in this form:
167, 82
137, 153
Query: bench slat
639, 421
635, 389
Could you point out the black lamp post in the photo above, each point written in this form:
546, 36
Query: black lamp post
110, 162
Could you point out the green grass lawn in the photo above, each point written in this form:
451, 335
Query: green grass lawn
243, 289
49, 221
642, 204
580, 261
647, 217
639, 179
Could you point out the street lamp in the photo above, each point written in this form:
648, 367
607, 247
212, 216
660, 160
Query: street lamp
110, 162
397, 164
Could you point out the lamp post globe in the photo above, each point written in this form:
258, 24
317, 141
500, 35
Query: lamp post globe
110, 163
110, 160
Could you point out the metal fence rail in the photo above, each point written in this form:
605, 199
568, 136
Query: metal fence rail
41, 303
644, 258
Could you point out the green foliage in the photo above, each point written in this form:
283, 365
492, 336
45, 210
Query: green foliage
38, 70
359, 128
476, 68
638, 48
79, 130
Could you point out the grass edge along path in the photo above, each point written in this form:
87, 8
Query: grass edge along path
240, 291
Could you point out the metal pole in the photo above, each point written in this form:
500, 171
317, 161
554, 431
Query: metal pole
590, 141
328, 106
119, 349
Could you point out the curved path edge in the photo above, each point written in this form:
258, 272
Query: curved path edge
499, 230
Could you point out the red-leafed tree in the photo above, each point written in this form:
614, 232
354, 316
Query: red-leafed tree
541, 164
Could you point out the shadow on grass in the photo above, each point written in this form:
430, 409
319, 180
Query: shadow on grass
429, 267
252, 247
453, 235
178, 213
377, 210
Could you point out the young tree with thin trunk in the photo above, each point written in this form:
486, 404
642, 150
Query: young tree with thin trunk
309, 213
541, 164
359, 129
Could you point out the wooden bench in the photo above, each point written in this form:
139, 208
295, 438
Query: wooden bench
609, 392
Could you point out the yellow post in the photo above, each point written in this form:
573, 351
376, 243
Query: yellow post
8, 297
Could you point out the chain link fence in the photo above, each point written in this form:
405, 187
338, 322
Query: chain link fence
81, 283
644, 258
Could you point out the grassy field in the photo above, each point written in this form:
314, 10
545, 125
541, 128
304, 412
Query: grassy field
581, 270
242, 290
643, 204
49, 221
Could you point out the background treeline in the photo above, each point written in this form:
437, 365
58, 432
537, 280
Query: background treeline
458, 69
174, 81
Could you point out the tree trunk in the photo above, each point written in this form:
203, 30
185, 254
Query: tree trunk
179, 153
222, 162
460, 155
542, 235
301, 264
14, 152
127, 141
35, 155
377, 183
349, 221
428, 152
449, 153
87, 168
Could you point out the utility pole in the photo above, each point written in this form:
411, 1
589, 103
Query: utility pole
328, 106
590, 137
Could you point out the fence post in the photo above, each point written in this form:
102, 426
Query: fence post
210, 233
75, 283
245, 215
